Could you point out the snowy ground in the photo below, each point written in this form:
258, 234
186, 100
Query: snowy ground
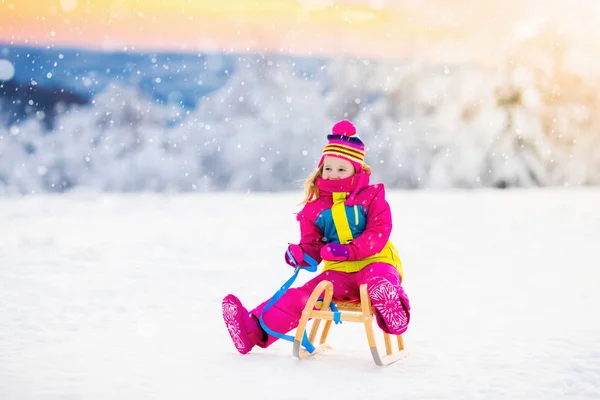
118, 297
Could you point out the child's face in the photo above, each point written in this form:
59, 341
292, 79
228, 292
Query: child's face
337, 168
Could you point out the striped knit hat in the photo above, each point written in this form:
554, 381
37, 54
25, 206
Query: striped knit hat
344, 143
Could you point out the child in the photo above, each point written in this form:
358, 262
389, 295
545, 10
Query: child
347, 223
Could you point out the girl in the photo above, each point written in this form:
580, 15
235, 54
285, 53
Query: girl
347, 223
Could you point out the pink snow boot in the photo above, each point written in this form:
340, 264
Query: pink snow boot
244, 328
390, 305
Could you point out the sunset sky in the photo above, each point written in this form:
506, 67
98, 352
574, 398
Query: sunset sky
289, 25
387, 28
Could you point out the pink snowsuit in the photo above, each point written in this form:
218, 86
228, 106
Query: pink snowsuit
371, 224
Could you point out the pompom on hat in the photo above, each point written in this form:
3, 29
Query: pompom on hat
343, 143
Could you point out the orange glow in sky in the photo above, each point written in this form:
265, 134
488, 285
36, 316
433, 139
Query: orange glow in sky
389, 28
368, 27
287, 25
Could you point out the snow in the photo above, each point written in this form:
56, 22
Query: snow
258, 122
118, 296
7, 70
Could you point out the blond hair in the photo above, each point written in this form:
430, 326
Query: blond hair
310, 184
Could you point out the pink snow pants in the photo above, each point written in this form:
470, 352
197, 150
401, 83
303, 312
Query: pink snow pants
390, 303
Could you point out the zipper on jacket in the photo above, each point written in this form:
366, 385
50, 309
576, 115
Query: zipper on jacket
356, 215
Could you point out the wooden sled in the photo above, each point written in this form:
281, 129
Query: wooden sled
318, 309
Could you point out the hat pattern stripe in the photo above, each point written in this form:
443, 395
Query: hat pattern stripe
344, 147
344, 155
347, 143
333, 148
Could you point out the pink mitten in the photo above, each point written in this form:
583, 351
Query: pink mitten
297, 253
335, 252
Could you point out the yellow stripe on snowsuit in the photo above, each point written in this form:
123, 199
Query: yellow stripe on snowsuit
389, 254
338, 212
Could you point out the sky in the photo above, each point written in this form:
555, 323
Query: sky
119, 296
184, 24
374, 28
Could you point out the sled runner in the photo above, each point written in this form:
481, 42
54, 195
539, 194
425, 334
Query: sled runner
320, 307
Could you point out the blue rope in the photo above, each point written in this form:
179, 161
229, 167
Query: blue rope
337, 316
312, 267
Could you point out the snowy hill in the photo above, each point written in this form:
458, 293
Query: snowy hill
118, 296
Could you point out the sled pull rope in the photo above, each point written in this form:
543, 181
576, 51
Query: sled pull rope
311, 268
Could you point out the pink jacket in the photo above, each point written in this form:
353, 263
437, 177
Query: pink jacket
368, 213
